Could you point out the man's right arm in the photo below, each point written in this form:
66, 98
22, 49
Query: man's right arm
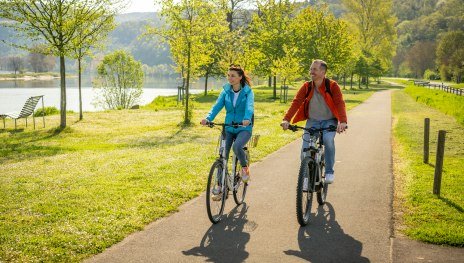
296, 103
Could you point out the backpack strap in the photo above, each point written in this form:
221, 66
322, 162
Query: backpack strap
327, 87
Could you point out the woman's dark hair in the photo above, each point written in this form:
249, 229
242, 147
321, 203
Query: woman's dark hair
245, 78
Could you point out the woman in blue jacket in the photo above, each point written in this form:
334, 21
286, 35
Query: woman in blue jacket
238, 99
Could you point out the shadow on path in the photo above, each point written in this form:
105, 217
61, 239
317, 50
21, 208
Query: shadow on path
323, 240
225, 241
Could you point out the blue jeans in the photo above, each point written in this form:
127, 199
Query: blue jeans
329, 143
241, 140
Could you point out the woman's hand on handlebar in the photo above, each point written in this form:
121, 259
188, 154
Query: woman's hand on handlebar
204, 122
245, 123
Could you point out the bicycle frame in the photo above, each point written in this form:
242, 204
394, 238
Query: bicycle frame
223, 158
315, 149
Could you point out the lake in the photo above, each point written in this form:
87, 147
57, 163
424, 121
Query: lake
13, 93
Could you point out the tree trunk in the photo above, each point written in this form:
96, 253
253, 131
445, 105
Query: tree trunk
275, 87
351, 81
344, 80
367, 82
269, 82
80, 84
63, 93
187, 119
206, 82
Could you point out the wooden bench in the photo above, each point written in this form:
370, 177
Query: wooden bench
26, 111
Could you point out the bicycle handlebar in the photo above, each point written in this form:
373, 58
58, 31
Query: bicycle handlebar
294, 128
233, 124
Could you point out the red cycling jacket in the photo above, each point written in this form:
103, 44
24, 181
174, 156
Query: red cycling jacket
299, 110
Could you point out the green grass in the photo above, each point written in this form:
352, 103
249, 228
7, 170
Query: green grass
68, 194
447, 103
422, 215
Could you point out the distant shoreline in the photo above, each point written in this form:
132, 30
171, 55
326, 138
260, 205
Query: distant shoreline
26, 78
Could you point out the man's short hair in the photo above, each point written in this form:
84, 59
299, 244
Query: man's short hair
322, 63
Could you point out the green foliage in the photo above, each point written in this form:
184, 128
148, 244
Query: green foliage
447, 103
450, 55
373, 23
319, 35
120, 78
431, 75
424, 216
47, 110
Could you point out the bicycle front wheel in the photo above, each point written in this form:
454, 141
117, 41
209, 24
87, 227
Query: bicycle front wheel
240, 187
322, 193
304, 191
215, 203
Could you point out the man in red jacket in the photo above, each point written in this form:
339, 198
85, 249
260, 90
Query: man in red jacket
321, 107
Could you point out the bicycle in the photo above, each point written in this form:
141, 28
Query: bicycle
311, 177
219, 176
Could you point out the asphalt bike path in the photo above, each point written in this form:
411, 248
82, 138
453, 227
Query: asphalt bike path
355, 225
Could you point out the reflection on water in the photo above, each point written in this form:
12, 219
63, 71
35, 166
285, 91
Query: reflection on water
13, 93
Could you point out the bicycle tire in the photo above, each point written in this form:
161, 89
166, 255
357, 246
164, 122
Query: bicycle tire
215, 208
304, 199
322, 194
239, 191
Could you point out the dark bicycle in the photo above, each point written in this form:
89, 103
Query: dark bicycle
220, 176
311, 177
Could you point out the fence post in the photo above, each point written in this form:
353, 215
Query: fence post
426, 139
439, 162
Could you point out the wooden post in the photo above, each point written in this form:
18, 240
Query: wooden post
426, 139
439, 162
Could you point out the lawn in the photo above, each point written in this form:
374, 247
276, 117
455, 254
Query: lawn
68, 194
418, 213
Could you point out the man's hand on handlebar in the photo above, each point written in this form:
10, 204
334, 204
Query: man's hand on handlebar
284, 124
341, 127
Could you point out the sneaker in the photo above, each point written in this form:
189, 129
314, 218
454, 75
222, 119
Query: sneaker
329, 178
305, 184
245, 174
217, 193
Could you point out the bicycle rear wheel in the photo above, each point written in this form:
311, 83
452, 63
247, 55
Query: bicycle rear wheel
322, 193
239, 186
304, 199
214, 207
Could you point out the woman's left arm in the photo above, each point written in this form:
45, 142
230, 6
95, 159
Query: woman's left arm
250, 106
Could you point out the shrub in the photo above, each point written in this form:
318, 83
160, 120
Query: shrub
48, 111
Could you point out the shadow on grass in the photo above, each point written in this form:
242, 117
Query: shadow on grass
22, 145
451, 203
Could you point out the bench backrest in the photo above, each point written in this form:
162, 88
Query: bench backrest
29, 106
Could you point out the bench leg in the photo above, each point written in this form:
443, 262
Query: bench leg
15, 124
26, 122
33, 118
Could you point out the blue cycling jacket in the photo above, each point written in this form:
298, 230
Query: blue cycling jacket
243, 110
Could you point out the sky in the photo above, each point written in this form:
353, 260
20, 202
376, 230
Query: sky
140, 6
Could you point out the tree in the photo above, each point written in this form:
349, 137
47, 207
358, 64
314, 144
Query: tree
189, 26
120, 78
15, 63
288, 67
421, 56
53, 23
40, 62
269, 31
319, 35
450, 55
373, 24
96, 27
